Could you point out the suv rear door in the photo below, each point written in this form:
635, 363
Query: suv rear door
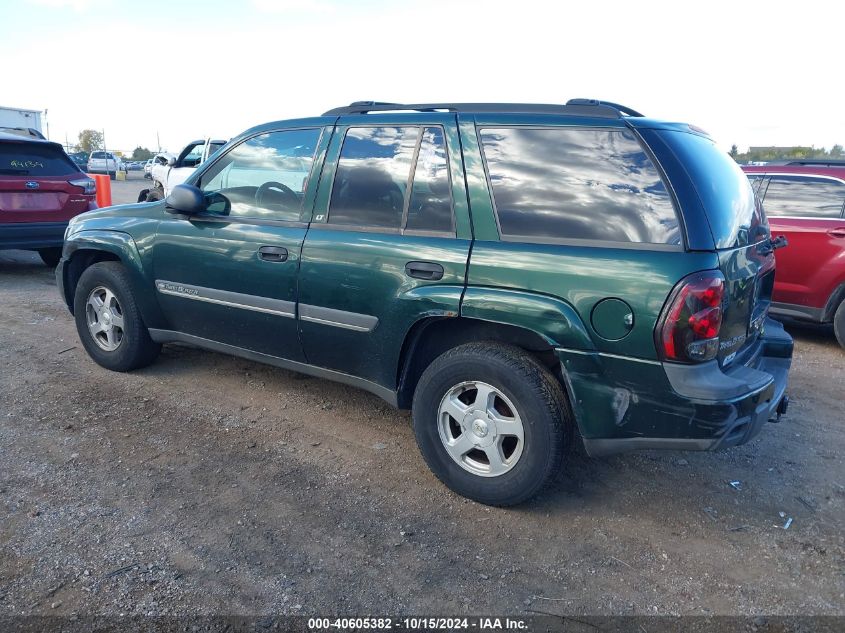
388, 244
808, 211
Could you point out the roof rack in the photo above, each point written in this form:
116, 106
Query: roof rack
574, 107
814, 162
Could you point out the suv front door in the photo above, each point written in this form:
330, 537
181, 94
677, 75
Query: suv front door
230, 275
388, 244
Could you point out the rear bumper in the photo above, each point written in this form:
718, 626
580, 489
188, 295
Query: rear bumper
686, 407
32, 235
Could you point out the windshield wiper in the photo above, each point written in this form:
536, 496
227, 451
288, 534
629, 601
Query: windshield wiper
15, 172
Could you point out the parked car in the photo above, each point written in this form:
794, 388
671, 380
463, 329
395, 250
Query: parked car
80, 159
168, 170
805, 202
148, 165
41, 189
508, 272
105, 163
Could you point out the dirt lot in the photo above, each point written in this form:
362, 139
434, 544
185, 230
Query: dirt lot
206, 485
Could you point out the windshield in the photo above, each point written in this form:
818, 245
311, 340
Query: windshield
733, 210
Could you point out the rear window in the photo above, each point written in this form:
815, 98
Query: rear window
577, 183
734, 213
34, 159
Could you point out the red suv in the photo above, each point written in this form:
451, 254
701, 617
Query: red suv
805, 201
41, 189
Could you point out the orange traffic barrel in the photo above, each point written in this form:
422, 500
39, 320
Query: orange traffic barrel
103, 189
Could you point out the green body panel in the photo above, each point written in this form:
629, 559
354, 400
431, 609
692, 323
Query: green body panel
223, 256
619, 398
582, 276
127, 232
554, 320
364, 274
483, 219
612, 319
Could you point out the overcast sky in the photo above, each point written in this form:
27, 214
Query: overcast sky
749, 72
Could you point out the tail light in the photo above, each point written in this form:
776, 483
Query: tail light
88, 185
689, 327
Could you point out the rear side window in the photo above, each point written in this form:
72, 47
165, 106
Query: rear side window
393, 178
577, 183
804, 197
430, 207
34, 159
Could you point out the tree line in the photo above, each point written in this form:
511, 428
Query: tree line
767, 154
92, 140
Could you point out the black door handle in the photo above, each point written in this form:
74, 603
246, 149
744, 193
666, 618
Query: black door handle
273, 253
424, 270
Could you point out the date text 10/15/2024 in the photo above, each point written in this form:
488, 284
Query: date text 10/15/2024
419, 623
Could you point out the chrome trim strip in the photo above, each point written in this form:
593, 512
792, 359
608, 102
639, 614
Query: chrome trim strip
337, 318
227, 298
608, 355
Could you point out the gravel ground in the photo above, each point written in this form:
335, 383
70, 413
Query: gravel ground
211, 485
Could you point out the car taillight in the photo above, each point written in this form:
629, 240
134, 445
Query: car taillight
689, 329
88, 185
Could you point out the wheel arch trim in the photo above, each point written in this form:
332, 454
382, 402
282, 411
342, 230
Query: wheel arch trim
118, 245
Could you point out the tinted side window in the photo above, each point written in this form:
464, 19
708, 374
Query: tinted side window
372, 176
804, 196
264, 177
571, 183
430, 207
34, 159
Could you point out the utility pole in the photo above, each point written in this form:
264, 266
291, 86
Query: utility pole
158, 142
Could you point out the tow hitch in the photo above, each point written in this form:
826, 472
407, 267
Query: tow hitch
783, 405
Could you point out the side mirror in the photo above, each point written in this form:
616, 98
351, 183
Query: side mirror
185, 199
171, 161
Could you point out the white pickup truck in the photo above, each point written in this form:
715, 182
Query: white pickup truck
169, 170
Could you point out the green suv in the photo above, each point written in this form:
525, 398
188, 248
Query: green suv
512, 273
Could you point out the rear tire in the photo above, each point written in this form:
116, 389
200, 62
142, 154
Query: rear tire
839, 324
108, 320
485, 455
51, 256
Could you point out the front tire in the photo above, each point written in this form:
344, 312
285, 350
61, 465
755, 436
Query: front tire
108, 320
491, 422
50, 256
839, 324
155, 194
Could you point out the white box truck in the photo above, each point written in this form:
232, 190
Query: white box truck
21, 120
